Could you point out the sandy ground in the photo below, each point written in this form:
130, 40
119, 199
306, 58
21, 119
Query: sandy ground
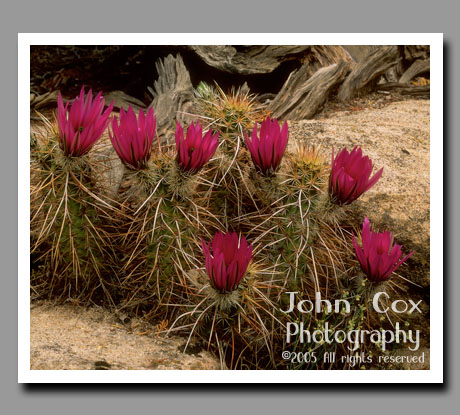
73, 337
395, 135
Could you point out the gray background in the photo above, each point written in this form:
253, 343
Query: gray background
229, 16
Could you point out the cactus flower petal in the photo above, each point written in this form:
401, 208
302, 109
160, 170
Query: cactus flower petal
194, 151
268, 148
81, 123
227, 258
350, 176
132, 138
378, 256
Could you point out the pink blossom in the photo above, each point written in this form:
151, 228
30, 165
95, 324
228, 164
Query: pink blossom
196, 150
133, 138
268, 148
378, 256
81, 125
350, 174
227, 258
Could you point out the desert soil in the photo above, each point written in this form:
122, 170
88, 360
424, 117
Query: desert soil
68, 336
395, 135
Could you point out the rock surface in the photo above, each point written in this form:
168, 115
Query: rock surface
64, 337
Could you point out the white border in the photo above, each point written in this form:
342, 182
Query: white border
434, 375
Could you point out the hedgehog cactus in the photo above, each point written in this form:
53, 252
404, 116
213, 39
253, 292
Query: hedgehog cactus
68, 237
210, 235
288, 191
166, 217
192, 153
277, 192
232, 113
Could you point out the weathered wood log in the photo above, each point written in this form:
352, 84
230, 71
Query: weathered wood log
406, 89
322, 56
394, 73
416, 91
40, 101
418, 67
302, 96
248, 60
172, 94
359, 52
413, 52
367, 72
123, 100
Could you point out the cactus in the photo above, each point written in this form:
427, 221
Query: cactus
232, 113
67, 233
159, 236
284, 202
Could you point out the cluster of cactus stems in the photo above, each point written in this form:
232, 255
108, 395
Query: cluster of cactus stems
68, 239
208, 235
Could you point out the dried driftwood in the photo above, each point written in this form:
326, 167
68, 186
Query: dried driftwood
247, 60
40, 101
302, 96
413, 52
172, 94
395, 72
359, 52
406, 89
123, 100
418, 67
367, 72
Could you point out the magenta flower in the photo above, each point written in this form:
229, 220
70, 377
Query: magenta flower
349, 177
227, 259
194, 151
132, 139
268, 148
81, 125
378, 257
